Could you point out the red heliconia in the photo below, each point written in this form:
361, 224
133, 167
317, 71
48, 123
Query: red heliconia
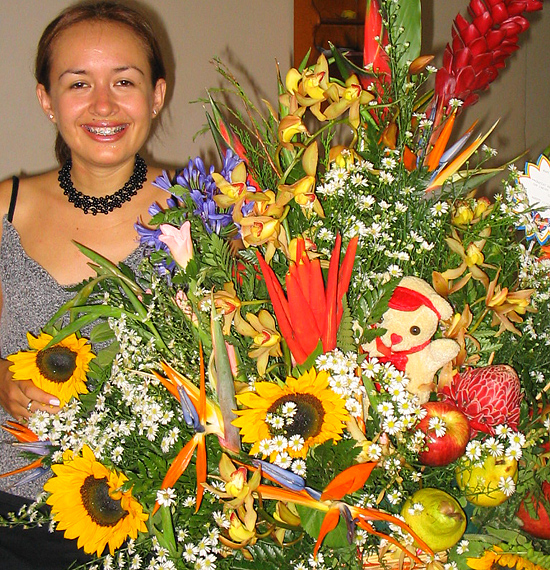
489, 396
479, 48
310, 311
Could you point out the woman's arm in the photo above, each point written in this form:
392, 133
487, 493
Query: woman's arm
19, 397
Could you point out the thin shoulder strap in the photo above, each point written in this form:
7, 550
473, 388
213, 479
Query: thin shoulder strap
13, 200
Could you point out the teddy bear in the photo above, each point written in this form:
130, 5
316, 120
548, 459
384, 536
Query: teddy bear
412, 318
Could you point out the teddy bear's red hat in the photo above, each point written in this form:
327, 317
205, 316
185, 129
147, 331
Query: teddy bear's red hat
405, 299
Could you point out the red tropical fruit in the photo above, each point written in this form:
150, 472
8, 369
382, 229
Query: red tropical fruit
479, 48
539, 526
489, 396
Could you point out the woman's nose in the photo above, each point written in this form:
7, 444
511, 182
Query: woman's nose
103, 101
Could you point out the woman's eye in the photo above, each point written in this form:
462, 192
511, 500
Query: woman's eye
124, 83
78, 85
415, 330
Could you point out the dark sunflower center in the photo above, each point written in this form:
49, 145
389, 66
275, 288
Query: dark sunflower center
308, 416
56, 363
101, 508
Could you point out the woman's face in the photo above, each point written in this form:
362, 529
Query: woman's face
101, 96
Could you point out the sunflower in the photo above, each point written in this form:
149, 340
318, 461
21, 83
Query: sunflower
88, 503
291, 418
59, 370
498, 559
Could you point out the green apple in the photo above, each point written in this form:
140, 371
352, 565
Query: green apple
436, 517
481, 483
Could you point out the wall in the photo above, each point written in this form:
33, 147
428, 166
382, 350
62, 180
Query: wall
249, 35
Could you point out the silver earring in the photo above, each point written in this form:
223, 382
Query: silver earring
155, 112
51, 116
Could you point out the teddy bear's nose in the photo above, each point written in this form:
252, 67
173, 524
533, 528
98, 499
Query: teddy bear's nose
396, 339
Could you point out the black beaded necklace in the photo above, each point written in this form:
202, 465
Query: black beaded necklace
103, 204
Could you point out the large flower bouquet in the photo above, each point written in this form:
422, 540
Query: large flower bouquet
335, 351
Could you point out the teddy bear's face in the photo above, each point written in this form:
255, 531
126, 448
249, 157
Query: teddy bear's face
408, 329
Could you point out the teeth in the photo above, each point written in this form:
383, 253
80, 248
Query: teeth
105, 131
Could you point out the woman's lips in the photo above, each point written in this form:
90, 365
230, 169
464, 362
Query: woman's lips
105, 131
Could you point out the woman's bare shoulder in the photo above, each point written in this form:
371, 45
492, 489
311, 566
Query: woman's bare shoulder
29, 188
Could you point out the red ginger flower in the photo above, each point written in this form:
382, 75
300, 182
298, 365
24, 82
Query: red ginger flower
479, 49
309, 312
489, 396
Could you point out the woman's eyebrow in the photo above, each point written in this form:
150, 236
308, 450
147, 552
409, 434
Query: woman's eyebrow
116, 70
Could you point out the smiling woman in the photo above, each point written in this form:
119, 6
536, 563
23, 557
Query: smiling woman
101, 81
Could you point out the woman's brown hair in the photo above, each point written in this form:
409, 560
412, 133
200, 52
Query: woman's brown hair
95, 12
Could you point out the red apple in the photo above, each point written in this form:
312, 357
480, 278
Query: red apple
442, 450
540, 526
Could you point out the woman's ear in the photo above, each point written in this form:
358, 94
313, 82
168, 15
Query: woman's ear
159, 95
45, 101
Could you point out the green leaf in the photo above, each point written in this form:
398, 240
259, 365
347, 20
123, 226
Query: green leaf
312, 520
408, 19
225, 386
101, 333
105, 356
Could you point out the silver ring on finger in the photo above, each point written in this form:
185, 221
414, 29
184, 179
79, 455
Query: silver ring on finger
29, 405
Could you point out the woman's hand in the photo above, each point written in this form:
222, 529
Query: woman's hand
20, 398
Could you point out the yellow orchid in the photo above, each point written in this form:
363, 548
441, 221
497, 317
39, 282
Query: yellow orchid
472, 257
243, 532
227, 304
303, 190
351, 97
446, 287
290, 126
239, 491
266, 339
292, 80
507, 306
457, 329
470, 211
235, 192
309, 89
342, 156
261, 230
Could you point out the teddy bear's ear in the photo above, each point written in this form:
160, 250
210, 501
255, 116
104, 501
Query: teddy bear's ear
442, 306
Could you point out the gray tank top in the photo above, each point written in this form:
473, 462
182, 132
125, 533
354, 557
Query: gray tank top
30, 297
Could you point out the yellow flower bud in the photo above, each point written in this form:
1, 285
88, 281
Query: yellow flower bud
462, 215
474, 255
482, 204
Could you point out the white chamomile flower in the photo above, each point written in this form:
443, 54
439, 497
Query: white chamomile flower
473, 450
166, 497
439, 208
507, 486
299, 467
296, 442
438, 425
493, 447
514, 452
516, 438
